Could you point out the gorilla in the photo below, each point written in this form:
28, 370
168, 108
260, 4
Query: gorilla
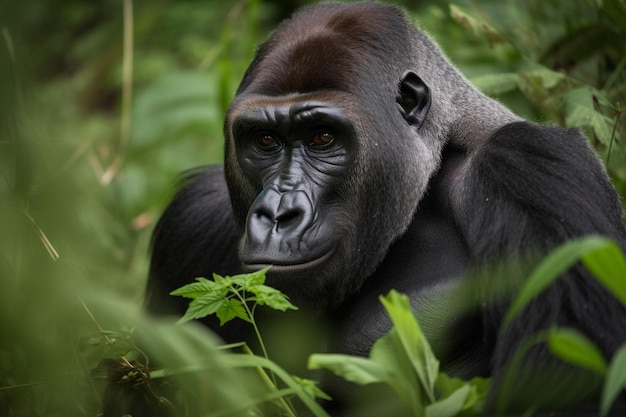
359, 160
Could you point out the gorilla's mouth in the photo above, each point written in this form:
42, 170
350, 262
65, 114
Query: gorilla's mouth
282, 267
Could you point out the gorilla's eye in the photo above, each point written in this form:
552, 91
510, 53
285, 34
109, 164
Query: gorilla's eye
267, 142
321, 139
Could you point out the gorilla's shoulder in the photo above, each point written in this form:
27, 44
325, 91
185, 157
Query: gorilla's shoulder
536, 183
539, 160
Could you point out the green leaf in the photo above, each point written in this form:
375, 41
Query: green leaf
413, 341
196, 289
388, 352
476, 397
615, 381
221, 281
310, 387
451, 405
608, 265
271, 297
355, 369
251, 361
479, 27
231, 309
386, 365
572, 346
204, 306
246, 281
551, 268
543, 78
585, 115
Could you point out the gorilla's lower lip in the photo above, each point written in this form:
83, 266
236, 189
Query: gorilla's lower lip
279, 267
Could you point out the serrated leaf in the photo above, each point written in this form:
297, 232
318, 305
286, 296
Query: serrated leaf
550, 269
271, 297
221, 281
246, 281
230, 310
608, 265
615, 381
196, 289
573, 347
204, 306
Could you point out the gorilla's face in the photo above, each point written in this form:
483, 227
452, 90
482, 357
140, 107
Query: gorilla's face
295, 157
323, 161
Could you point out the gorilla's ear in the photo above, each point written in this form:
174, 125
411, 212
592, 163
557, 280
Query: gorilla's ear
414, 99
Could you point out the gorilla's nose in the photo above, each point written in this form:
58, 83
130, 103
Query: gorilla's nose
277, 219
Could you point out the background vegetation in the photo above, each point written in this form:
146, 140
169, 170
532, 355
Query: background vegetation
102, 104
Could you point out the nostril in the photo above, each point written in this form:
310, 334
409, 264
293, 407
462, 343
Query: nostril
289, 218
264, 216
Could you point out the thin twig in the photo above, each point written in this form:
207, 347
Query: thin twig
91, 316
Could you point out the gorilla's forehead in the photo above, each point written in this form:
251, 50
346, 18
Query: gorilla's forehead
293, 103
320, 61
333, 47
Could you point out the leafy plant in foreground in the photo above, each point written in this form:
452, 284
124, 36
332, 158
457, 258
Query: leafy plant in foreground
230, 297
238, 297
403, 360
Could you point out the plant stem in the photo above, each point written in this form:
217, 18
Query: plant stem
250, 313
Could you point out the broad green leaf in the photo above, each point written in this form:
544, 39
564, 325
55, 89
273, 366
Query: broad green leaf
204, 306
615, 380
388, 352
451, 405
414, 342
608, 265
551, 268
476, 397
231, 309
355, 369
572, 346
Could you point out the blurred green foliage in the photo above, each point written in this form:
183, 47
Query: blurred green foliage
93, 135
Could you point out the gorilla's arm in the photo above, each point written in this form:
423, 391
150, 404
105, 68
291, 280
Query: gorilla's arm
535, 187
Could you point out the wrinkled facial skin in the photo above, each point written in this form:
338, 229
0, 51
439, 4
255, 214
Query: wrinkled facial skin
295, 154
